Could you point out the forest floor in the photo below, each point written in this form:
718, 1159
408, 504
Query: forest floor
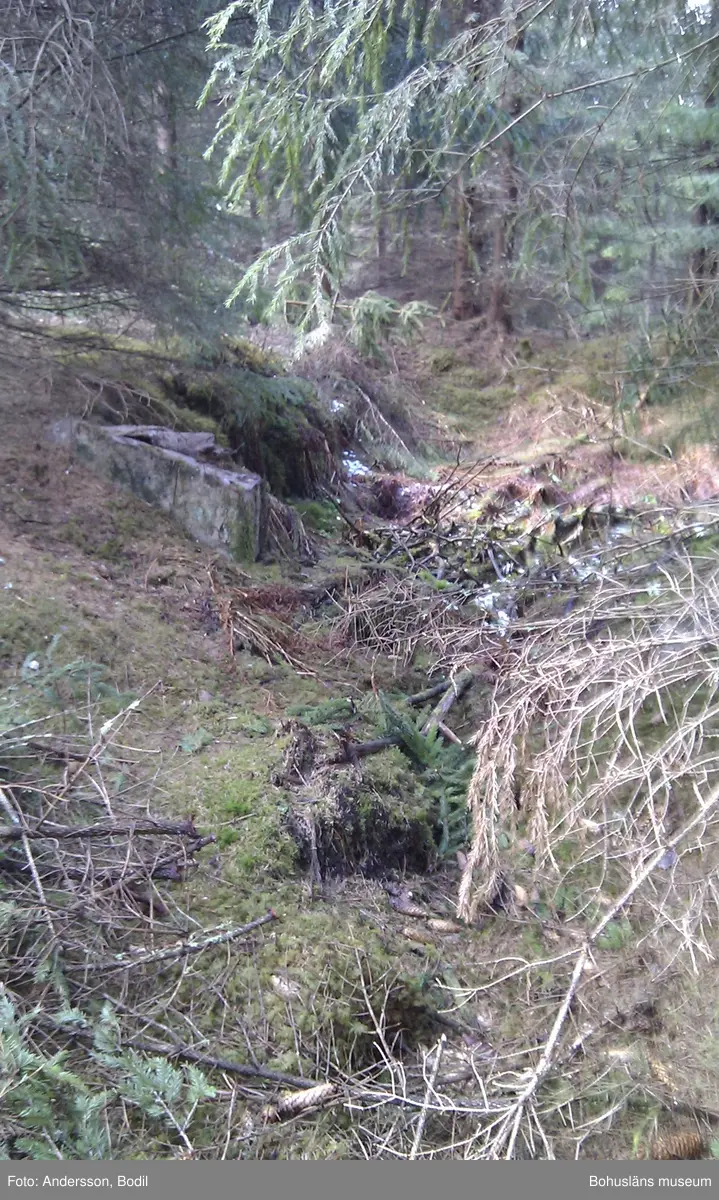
363, 969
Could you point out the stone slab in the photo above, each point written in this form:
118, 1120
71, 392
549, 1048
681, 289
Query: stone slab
224, 510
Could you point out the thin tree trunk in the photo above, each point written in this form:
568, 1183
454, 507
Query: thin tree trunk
499, 313
382, 240
462, 289
166, 141
704, 262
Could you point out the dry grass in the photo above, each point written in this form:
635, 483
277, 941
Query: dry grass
597, 786
398, 617
606, 724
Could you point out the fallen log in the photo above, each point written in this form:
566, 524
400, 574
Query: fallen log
457, 688
437, 689
354, 750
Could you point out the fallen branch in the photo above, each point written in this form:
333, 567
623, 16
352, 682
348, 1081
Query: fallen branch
54, 749
437, 689
19, 829
114, 725
182, 949
182, 1053
428, 1095
186, 1054
48, 829
353, 750
449, 734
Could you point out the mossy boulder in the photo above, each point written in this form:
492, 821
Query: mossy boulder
276, 425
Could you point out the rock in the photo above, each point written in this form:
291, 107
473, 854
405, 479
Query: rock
191, 444
225, 510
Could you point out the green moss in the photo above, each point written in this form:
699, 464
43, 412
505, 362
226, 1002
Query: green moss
25, 628
481, 379
391, 774
226, 837
110, 533
319, 515
275, 424
237, 785
242, 539
441, 361
112, 550
247, 354
362, 829
306, 985
233, 390
467, 400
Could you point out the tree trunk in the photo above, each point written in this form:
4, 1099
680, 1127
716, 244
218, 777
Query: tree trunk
704, 262
462, 288
166, 141
499, 313
382, 240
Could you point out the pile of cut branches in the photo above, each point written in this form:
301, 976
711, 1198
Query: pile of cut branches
82, 861
595, 796
471, 569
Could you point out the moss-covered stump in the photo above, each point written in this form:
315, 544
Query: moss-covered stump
354, 829
343, 823
226, 510
276, 425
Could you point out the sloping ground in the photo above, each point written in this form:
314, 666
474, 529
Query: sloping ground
570, 405
359, 967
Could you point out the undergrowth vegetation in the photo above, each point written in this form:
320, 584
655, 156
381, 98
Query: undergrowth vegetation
437, 799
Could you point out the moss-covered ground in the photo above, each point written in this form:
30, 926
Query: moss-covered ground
109, 600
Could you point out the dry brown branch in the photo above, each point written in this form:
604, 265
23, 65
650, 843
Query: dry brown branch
398, 617
354, 750
437, 689
587, 724
607, 742
262, 632
179, 1052
19, 832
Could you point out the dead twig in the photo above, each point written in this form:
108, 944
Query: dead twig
103, 829
419, 1132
